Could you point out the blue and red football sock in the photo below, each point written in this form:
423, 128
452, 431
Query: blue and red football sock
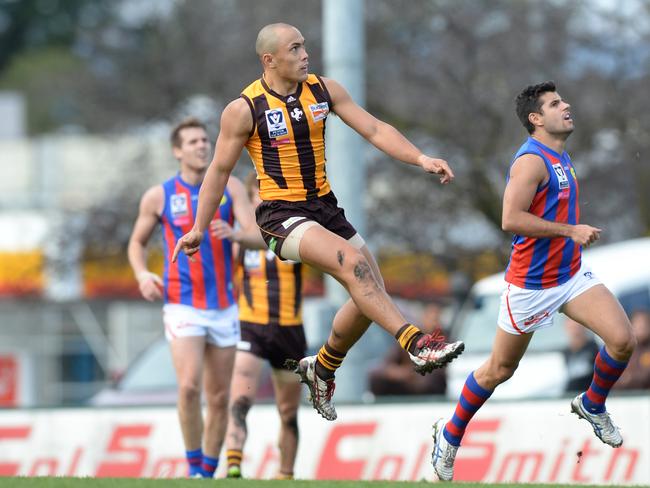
471, 399
607, 371
194, 459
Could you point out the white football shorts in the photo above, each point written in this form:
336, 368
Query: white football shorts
219, 327
523, 311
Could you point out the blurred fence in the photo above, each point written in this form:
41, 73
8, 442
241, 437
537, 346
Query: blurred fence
62, 353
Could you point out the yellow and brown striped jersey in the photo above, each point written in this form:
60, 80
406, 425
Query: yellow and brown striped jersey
287, 142
269, 289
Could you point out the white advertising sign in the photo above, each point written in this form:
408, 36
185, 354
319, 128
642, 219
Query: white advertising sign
537, 442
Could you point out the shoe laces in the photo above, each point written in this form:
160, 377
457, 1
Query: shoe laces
449, 456
330, 389
606, 423
432, 341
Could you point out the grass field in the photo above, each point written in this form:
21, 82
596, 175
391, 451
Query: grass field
43, 482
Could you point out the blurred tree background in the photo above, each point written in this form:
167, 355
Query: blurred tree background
446, 72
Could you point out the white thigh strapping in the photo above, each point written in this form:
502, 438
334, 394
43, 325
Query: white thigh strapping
291, 246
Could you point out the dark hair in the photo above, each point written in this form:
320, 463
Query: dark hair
528, 102
175, 136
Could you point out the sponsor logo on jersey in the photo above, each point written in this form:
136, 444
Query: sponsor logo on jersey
279, 142
319, 111
296, 114
276, 123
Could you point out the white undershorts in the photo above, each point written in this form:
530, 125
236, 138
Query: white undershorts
523, 311
219, 327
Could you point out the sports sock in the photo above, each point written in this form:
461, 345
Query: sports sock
607, 371
328, 361
209, 466
471, 399
408, 336
234, 457
194, 459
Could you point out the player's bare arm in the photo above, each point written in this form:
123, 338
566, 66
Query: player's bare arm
528, 172
248, 234
382, 135
151, 206
236, 124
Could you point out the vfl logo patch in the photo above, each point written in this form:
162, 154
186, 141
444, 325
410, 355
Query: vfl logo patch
178, 205
276, 124
562, 179
319, 111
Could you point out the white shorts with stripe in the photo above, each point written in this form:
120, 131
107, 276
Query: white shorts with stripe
523, 311
219, 327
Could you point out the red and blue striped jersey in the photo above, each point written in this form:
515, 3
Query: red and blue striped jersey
547, 262
206, 282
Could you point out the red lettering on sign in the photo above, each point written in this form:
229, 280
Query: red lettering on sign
51, 466
422, 458
331, 466
559, 460
269, 458
586, 453
475, 468
8, 381
520, 460
384, 464
169, 468
632, 456
8, 433
72, 469
132, 459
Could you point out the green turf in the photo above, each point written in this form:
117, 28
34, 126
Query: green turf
48, 482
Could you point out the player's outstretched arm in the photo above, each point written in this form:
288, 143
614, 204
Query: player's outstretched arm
236, 124
382, 135
527, 173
